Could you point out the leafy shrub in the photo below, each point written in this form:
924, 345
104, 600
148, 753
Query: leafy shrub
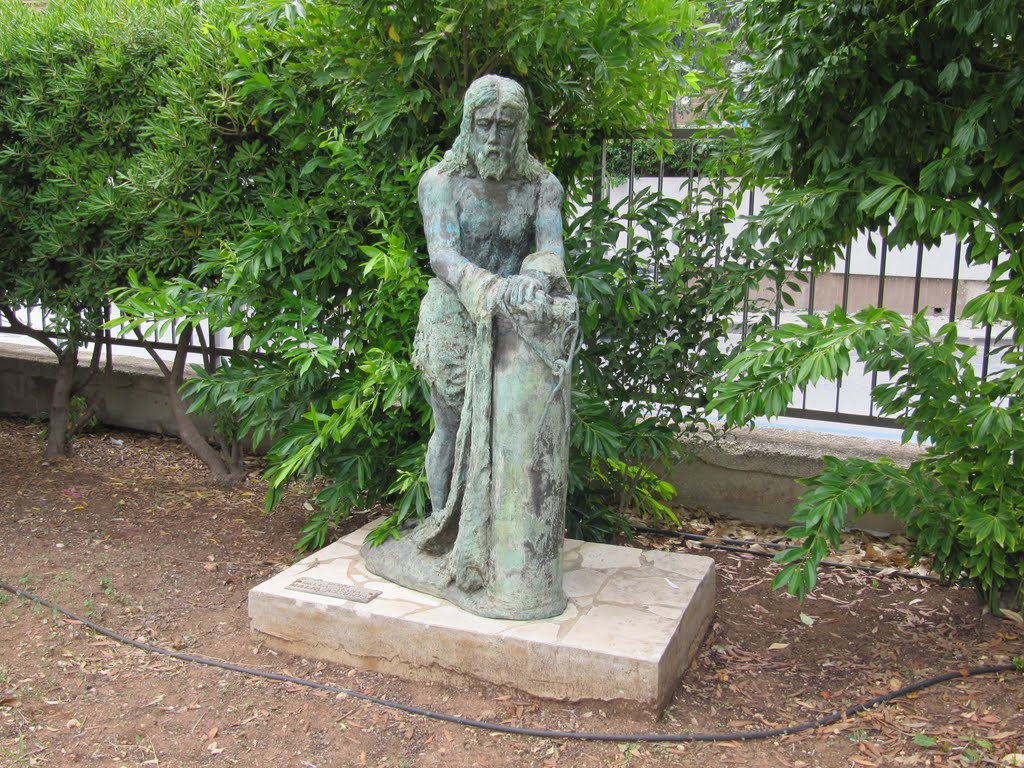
76, 89
962, 502
658, 287
325, 280
902, 120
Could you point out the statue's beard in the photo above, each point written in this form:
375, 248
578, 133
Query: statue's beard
492, 166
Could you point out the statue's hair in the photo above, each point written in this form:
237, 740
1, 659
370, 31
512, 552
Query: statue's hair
482, 92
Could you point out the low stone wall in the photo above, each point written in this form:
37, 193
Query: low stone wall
752, 474
136, 396
747, 475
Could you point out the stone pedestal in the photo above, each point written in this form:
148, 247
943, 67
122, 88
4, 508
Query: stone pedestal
634, 621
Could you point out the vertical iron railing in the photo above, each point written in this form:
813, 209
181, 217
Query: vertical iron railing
849, 287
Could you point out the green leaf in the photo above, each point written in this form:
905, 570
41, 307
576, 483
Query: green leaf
948, 75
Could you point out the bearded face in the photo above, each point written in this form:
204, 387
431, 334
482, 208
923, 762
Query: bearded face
492, 138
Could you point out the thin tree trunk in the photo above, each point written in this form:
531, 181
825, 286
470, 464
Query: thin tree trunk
57, 443
93, 390
219, 469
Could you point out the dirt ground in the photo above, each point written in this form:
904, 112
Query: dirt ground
129, 534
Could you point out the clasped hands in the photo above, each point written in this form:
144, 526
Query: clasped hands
482, 292
526, 293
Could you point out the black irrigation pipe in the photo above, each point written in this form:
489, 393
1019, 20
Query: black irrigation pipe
743, 546
770, 733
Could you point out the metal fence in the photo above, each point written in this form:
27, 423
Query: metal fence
939, 278
206, 348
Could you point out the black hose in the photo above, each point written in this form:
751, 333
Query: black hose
509, 729
742, 546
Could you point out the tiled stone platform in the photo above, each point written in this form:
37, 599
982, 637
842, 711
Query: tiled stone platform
634, 622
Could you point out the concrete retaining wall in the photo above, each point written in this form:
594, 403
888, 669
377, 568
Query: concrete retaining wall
752, 474
136, 396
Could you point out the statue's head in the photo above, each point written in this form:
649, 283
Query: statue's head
492, 138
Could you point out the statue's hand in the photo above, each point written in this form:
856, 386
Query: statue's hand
523, 290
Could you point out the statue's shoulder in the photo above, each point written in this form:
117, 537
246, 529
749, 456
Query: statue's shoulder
434, 186
550, 187
433, 177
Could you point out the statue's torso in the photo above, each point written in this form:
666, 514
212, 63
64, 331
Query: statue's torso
496, 221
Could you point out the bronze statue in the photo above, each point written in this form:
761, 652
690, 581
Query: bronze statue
496, 334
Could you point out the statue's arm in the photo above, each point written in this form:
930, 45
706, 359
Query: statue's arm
549, 217
441, 226
546, 271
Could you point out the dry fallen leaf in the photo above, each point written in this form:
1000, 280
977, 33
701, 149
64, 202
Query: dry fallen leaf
1002, 735
1013, 616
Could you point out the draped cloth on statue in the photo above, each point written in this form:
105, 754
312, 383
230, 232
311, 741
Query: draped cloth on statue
496, 547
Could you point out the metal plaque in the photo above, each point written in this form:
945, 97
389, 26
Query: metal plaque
332, 589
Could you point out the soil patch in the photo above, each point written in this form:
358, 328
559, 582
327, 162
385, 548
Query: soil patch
130, 534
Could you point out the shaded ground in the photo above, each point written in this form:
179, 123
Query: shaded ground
129, 534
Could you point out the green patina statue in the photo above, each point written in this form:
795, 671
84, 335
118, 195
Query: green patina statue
496, 334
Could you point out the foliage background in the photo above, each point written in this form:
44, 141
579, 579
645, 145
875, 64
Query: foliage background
77, 83
903, 119
351, 103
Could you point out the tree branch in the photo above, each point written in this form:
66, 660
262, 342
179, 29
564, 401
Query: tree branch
153, 354
33, 333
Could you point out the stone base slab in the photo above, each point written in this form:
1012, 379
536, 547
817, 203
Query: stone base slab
634, 622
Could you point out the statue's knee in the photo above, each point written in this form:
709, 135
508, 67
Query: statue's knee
447, 417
